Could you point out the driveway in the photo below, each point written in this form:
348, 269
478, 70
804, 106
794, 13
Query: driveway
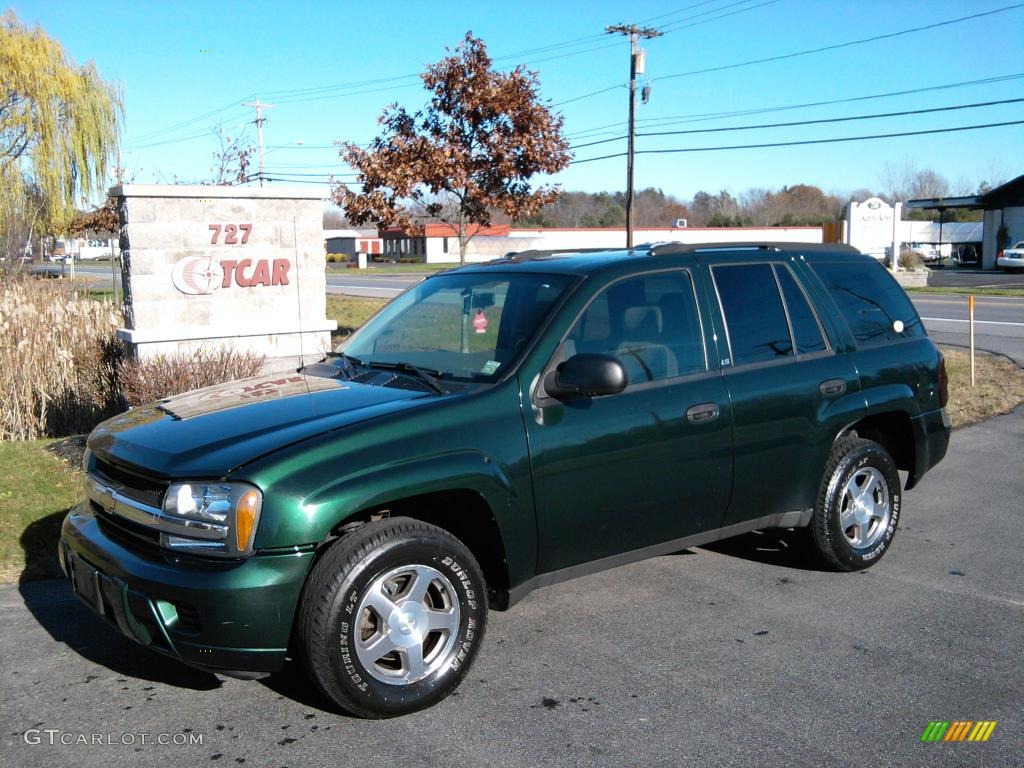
733, 655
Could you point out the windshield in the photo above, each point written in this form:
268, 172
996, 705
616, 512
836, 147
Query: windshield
459, 326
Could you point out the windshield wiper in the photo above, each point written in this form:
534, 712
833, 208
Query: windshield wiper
427, 375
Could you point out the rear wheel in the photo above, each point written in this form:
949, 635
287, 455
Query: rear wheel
858, 505
391, 617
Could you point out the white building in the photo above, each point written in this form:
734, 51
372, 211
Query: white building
438, 244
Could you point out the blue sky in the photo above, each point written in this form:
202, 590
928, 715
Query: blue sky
330, 67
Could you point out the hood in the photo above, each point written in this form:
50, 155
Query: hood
209, 432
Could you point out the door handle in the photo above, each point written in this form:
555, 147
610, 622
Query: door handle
832, 387
704, 412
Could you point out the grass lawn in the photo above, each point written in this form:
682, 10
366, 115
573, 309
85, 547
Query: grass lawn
37, 488
350, 312
948, 291
389, 269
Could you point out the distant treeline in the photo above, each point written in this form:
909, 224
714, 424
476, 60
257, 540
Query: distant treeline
798, 205
795, 206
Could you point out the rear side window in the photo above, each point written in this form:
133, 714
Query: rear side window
754, 315
806, 330
871, 301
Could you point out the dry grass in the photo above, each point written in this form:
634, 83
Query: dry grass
999, 386
64, 371
53, 353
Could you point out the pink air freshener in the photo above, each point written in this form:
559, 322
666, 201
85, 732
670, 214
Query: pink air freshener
480, 322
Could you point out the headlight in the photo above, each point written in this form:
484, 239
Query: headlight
222, 516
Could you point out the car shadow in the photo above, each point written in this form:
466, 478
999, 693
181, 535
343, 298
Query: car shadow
783, 547
54, 606
293, 683
52, 603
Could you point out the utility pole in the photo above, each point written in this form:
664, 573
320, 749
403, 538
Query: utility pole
636, 66
259, 127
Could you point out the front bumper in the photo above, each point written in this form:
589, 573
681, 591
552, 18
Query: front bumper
931, 439
230, 616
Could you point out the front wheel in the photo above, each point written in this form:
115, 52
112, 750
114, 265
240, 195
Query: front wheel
391, 617
858, 505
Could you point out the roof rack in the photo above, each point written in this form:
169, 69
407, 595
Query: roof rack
679, 248
541, 253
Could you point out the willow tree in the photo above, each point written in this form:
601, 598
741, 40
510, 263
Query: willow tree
468, 153
59, 128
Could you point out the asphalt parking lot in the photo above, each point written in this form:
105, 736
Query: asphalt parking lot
727, 656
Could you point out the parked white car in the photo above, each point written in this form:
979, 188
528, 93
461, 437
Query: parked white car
928, 252
1012, 258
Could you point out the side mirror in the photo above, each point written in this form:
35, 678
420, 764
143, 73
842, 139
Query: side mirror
586, 375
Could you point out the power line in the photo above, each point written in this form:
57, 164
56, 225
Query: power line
317, 93
706, 116
835, 119
677, 25
588, 95
746, 112
185, 123
678, 10
283, 172
795, 54
805, 142
837, 46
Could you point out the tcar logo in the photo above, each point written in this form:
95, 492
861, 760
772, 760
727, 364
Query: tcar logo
197, 275
200, 275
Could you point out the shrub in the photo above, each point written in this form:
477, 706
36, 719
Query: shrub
910, 259
143, 381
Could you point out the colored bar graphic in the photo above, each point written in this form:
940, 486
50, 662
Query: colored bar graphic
958, 730
982, 730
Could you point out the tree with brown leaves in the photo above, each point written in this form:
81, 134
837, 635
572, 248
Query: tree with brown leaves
470, 152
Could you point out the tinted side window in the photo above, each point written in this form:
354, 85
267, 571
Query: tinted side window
806, 329
871, 301
753, 311
650, 323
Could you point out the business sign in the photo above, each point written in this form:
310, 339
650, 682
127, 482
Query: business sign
202, 275
230, 268
871, 226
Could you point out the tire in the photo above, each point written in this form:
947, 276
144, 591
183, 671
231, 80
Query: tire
364, 607
847, 536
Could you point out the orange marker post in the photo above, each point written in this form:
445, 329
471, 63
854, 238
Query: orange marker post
970, 310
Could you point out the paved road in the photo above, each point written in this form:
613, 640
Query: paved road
375, 286
733, 655
954, 277
999, 322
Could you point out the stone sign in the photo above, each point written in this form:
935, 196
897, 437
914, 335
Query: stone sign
223, 267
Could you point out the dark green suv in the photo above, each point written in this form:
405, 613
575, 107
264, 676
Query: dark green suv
501, 427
